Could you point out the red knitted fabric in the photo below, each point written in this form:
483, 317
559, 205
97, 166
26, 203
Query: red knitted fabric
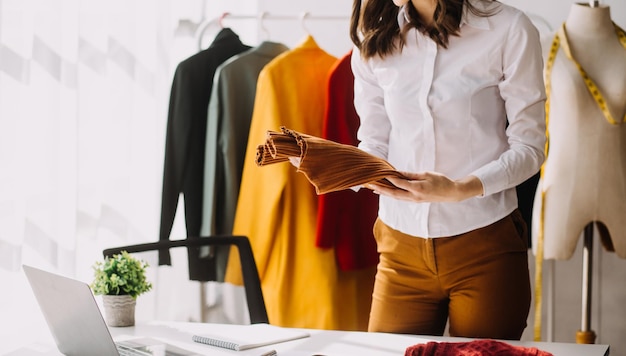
472, 348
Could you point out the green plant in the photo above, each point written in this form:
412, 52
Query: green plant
121, 274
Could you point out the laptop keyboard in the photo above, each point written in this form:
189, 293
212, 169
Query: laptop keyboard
130, 351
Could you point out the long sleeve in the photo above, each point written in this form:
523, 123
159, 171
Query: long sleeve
228, 125
185, 142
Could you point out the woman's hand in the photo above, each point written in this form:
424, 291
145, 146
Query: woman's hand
430, 187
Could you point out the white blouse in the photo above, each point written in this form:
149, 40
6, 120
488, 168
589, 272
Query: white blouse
427, 108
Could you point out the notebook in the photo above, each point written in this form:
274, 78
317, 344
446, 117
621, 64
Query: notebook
75, 321
255, 335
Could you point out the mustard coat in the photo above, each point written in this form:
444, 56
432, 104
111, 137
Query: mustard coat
277, 207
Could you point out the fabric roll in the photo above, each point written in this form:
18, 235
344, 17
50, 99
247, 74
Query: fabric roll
328, 165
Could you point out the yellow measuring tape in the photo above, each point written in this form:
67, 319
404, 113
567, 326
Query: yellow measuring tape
560, 40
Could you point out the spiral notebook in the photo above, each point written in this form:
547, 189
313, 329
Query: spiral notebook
254, 335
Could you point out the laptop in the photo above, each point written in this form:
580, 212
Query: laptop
75, 321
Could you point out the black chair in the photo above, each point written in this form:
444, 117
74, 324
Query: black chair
251, 281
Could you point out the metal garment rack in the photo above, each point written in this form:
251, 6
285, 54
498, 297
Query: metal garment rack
261, 18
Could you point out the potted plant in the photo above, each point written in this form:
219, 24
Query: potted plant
120, 279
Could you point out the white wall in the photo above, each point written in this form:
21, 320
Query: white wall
556, 11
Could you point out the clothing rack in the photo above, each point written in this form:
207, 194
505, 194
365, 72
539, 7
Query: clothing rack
261, 18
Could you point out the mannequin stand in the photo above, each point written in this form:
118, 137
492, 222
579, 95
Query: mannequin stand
585, 335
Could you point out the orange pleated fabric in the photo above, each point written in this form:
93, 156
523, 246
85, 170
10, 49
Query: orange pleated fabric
328, 165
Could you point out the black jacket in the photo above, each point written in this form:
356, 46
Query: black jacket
185, 142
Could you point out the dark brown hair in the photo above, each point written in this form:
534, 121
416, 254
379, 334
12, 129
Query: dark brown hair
375, 31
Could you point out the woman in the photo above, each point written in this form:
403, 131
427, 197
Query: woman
451, 93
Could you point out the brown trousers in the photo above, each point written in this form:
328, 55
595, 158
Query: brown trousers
479, 280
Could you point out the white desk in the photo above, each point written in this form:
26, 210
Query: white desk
321, 342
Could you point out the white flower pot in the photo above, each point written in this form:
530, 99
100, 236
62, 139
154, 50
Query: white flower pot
119, 310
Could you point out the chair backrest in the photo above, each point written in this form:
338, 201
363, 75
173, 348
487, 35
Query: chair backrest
251, 281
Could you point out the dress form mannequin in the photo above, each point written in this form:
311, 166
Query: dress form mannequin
584, 178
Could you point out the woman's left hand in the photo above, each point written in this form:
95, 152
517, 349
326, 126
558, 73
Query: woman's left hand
430, 187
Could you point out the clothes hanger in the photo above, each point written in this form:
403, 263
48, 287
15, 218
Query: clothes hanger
264, 30
220, 20
303, 18
206, 25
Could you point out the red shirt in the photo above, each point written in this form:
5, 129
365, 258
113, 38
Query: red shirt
346, 218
